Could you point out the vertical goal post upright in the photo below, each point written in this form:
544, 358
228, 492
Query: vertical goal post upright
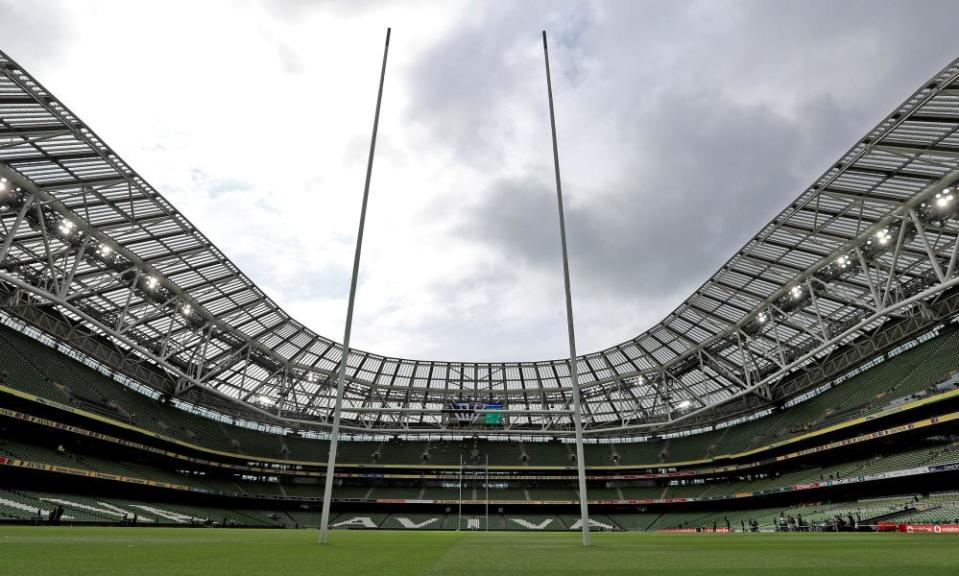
573, 368
341, 372
459, 510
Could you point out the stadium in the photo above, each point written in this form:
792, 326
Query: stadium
160, 414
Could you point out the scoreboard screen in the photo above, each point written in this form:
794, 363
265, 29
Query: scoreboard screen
473, 412
493, 418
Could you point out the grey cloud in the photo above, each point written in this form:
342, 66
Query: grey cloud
464, 85
478, 331
292, 63
665, 101
698, 194
38, 27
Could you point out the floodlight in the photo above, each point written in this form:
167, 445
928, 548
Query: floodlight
106, 253
8, 186
944, 198
883, 236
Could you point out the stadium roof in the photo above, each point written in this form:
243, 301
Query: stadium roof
94, 255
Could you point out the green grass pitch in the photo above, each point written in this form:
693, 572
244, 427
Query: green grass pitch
27, 551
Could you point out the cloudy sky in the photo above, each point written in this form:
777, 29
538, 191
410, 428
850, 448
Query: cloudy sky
683, 128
